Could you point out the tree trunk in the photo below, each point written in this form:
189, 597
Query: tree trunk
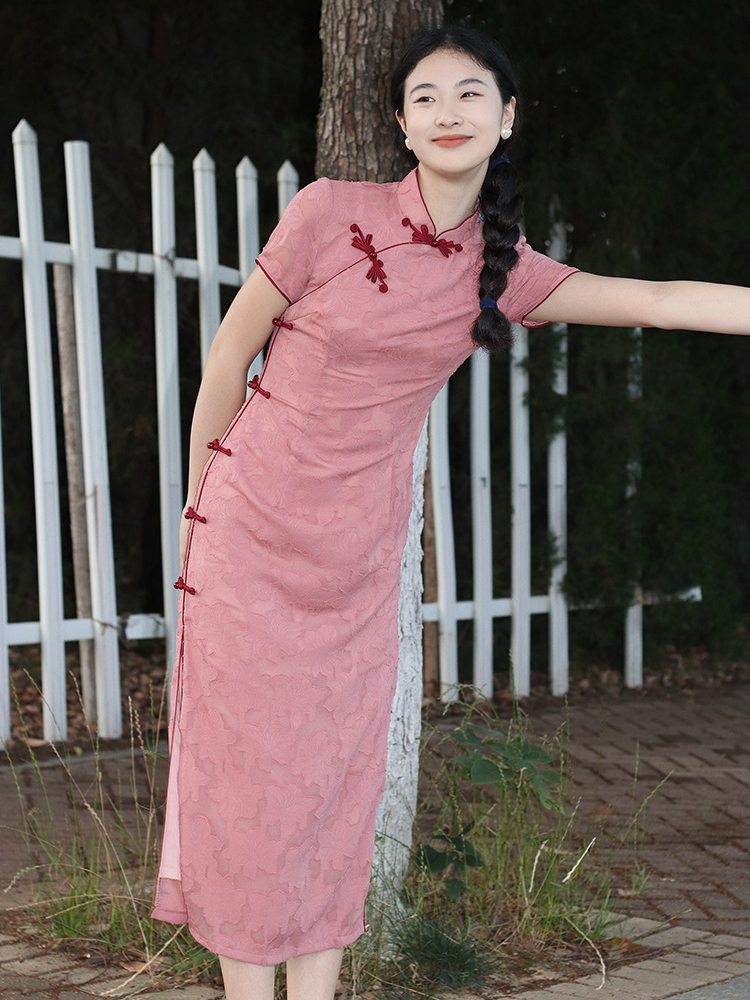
357, 140
66, 340
357, 132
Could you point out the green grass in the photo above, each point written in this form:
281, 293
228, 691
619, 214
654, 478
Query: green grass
94, 884
501, 866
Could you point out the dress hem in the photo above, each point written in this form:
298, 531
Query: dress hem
343, 941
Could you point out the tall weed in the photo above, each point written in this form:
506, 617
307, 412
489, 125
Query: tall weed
97, 858
501, 865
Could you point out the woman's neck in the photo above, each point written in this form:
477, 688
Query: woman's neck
450, 200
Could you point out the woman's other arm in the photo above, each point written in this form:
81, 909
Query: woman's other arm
240, 338
671, 305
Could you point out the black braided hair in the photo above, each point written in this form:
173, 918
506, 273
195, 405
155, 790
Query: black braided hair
501, 209
500, 204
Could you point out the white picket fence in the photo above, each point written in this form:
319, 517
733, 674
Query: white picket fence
53, 630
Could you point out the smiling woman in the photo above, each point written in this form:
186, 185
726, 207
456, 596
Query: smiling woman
453, 105
455, 96
298, 505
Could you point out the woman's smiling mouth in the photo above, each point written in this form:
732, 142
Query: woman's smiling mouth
449, 141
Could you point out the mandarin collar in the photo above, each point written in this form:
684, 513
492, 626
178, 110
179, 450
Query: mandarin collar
412, 204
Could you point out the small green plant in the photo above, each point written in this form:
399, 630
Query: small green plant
456, 856
490, 757
500, 859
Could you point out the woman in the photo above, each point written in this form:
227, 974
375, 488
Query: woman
298, 502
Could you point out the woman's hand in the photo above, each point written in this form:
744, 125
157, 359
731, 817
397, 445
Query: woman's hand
242, 334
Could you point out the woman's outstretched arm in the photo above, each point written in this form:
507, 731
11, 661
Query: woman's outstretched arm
670, 305
240, 338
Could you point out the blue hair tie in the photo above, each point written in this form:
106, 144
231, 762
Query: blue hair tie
488, 304
497, 161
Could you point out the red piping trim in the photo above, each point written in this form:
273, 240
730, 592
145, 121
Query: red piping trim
419, 188
532, 324
279, 290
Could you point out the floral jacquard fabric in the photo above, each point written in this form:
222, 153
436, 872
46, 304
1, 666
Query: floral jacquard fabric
288, 643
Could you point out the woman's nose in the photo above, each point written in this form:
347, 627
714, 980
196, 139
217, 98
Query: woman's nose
447, 116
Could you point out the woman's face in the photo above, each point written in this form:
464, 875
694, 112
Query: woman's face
453, 113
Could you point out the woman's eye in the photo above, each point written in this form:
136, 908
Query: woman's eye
471, 93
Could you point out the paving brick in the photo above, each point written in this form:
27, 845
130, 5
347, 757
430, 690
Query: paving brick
707, 947
674, 937
40, 965
12, 952
134, 985
683, 960
720, 926
732, 939
82, 975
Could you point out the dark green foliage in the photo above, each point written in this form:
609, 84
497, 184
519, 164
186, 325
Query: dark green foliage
634, 136
491, 757
456, 853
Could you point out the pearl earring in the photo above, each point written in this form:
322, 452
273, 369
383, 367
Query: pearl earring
407, 143
506, 133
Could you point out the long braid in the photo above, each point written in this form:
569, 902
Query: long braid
499, 199
501, 208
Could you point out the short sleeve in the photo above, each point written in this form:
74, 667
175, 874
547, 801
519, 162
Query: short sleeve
288, 256
534, 277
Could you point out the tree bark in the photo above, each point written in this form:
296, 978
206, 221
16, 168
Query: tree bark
66, 339
358, 140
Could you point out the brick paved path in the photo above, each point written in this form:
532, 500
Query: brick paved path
697, 824
696, 844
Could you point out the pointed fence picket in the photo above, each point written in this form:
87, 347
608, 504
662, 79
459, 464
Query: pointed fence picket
43, 431
94, 438
164, 245
165, 267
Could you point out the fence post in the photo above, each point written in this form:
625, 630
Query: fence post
207, 240
43, 431
557, 506
634, 615
444, 543
167, 383
287, 185
248, 230
94, 438
481, 516
4, 661
557, 499
520, 630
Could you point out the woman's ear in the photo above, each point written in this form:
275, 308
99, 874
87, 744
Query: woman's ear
401, 121
509, 113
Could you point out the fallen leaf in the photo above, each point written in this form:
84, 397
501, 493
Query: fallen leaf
133, 966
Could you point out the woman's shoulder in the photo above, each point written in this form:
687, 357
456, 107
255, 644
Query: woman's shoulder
335, 194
